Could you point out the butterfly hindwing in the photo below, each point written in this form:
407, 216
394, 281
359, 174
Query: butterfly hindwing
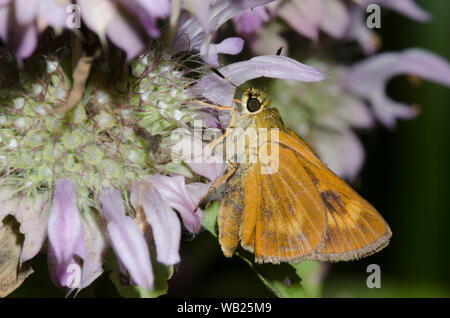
283, 217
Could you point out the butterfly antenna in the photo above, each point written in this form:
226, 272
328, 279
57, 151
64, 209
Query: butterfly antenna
217, 72
279, 51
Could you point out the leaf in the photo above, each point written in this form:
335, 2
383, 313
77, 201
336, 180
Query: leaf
209, 221
282, 279
162, 274
311, 271
11, 241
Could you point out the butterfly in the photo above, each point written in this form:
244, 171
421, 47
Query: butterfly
301, 210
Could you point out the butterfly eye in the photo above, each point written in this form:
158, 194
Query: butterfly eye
253, 105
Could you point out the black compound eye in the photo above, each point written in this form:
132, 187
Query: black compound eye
253, 105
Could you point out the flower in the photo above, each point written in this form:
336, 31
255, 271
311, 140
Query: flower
117, 20
191, 35
21, 21
367, 79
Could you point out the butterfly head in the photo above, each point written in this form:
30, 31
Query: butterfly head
254, 101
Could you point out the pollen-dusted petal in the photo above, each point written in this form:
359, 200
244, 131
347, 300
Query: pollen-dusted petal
164, 222
368, 79
65, 231
221, 92
127, 240
174, 191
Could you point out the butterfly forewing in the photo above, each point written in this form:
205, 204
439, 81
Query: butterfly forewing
354, 227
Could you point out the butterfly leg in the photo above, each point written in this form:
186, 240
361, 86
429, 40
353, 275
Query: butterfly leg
218, 183
215, 142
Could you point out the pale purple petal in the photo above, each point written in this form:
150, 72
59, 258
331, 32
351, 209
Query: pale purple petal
26, 11
231, 46
191, 35
303, 16
219, 91
148, 12
268, 41
53, 12
355, 113
97, 14
127, 240
405, 7
157, 9
173, 190
4, 23
96, 248
251, 20
125, 36
65, 231
25, 41
341, 151
200, 9
164, 222
336, 19
359, 31
32, 214
368, 79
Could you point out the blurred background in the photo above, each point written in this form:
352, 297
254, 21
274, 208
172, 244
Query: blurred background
406, 176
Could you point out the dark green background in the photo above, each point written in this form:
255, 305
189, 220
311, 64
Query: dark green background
406, 176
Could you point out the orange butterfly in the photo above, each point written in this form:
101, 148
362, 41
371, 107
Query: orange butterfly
300, 211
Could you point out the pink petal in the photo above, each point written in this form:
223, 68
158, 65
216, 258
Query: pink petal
359, 31
166, 227
27, 39
26, 11
191, 36
32, 214
336, 19
341, 151
53, 12
201, 11
174, 191
303, 16
219, 91
96, 248
65, 232
127, 240
405, 7
231, 46
251, 20
368, 79
4, 23
124, 35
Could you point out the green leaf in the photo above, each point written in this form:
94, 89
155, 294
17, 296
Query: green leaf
209, 222
281, 279
311, 271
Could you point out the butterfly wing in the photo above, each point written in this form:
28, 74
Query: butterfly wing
282, 216
354, 227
